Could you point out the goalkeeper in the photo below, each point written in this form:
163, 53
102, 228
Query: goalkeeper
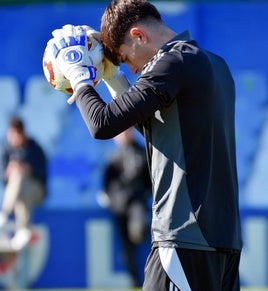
183, 103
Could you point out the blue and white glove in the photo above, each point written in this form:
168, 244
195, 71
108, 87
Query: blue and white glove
77, 62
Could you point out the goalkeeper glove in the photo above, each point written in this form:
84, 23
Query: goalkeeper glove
78, 63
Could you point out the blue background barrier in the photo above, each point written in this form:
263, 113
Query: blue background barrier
72, 223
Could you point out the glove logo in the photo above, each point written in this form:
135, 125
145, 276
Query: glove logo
72, 56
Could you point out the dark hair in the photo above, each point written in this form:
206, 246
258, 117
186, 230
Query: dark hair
118, 18
16, 123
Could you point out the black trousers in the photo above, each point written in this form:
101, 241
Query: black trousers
177, 269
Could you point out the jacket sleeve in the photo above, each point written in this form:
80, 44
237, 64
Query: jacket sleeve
156, 88
105, 121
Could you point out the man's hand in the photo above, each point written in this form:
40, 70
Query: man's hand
77, 61
18, 167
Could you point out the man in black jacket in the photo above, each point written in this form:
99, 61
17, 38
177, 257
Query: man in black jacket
184, 103
23, 169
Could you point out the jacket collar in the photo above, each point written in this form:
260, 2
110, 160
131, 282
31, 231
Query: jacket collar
184, 36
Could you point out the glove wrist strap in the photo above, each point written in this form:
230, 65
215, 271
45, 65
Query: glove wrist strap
81, 75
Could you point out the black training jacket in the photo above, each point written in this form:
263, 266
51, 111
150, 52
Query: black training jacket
184, 100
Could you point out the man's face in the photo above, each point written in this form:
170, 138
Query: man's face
135, 54
15, 137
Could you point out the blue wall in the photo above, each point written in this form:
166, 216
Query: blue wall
235, 30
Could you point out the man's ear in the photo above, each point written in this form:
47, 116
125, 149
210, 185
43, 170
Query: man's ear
138, 33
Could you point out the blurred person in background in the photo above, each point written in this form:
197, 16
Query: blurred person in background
23, 170
128, 190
